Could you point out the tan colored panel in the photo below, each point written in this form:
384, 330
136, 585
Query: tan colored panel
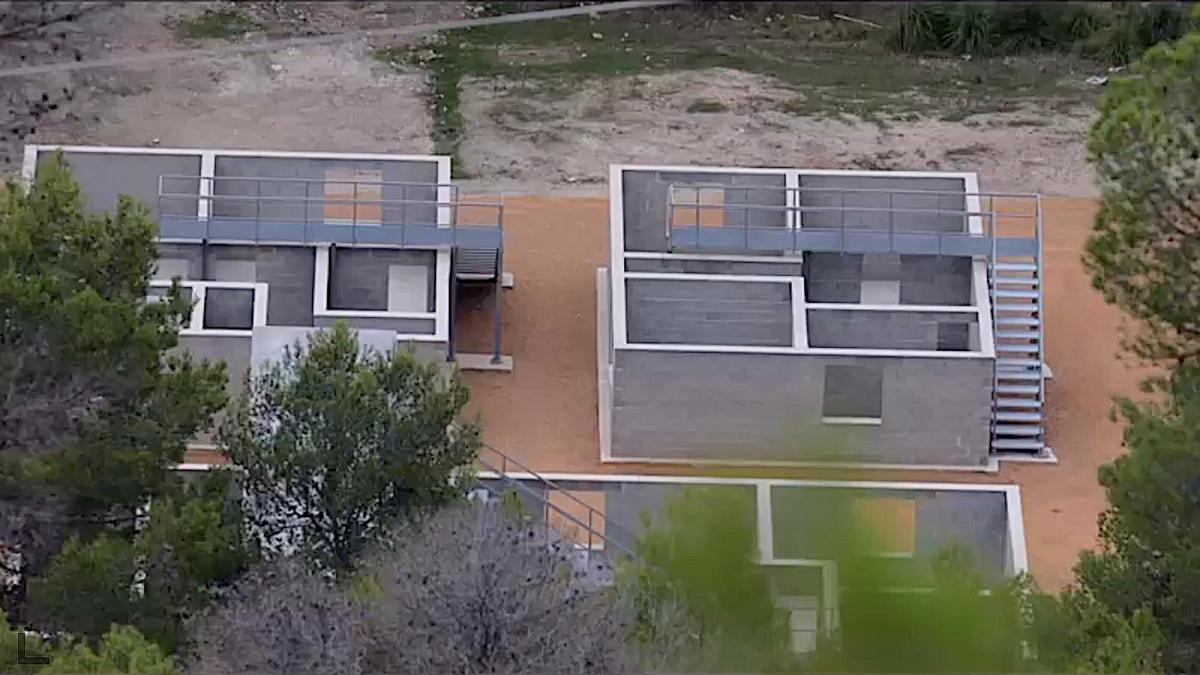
353, 184
890, 523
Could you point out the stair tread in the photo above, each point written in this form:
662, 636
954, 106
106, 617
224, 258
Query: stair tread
1018, 444
1018, 348
1032, 390
1015, 267
1010, 362
1017, 334
1011, 416
1024, 295
1017, 281
1018, 375
1018, 430
1006, 402
1018, 321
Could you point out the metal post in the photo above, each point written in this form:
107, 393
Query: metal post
842, 217
404, 203
499, 303
304, 206
697, 206
450, 354
745, 216
257, 210
354, 213
891, 222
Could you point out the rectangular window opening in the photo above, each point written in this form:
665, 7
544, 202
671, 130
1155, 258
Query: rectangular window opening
853, 395
229, 308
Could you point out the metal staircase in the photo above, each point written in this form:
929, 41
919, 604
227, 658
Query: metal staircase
476, 264
1018, 412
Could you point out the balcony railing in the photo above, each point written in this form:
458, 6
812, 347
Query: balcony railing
302, 210
851, 220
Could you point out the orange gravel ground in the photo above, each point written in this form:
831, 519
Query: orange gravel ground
545, 412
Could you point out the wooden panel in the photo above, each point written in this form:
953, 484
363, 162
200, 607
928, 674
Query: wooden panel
348, 184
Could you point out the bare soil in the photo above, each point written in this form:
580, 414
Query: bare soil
536, 142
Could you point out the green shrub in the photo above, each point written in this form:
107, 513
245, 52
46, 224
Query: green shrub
122, 650
225, 22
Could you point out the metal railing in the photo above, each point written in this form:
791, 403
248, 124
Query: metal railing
421, 213
686, 219
503, 467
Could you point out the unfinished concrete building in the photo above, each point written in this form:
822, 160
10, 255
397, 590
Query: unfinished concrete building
272, 245
793, 316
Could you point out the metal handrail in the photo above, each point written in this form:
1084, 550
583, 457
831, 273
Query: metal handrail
503, 473
814, 188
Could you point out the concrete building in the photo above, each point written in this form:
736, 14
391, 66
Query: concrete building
272, 245
795, 316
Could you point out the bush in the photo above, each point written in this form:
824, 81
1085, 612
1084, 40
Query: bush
1114, 34
122, 650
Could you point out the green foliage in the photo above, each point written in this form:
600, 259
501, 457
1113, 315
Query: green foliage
1144, 245
336, 441
94, 411
1117, 34
1150, 545
1077, 634
11, 643
122, 650
223, 22
703, 556
188, 547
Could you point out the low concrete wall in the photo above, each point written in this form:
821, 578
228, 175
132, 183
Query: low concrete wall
705, 312
767, 407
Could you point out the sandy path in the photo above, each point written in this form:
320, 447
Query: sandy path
545, 414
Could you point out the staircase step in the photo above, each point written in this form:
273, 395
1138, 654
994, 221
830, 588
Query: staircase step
1018, 321
1017, 335
1018, 348
1010, 416
1018, 403
1005, 362
1024, 375
1016, 281
1015, 267
1018, 430
1016, 295
1031, 390
1031, 444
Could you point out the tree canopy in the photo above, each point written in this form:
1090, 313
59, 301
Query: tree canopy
335, 441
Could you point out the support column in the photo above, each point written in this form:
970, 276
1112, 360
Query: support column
499, 292
451, 356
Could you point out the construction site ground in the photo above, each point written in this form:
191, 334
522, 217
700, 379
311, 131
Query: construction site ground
552, 146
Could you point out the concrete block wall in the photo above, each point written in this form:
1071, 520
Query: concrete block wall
104, 177
708, 312
689, 266
768, 407
358, 277
645, 198
923, 279
852, 329
844, 202
392, 171
287, 270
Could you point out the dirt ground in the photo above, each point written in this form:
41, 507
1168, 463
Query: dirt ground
535, 143
544, 413
339, 99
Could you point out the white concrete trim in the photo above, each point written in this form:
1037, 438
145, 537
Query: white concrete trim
616, 244
442, 318
991, 467
983, 305
853, 421
199, 288
371, 314
132, 150
410, 337
972, 205
1016, 530
29, 165
604, 374
799, 315
215, 332
811, 351
198, 466
444, 195
795, 219
208, 169
658, 479
948, 309
766, 532
798, 172
320, 279
685, 276
718, 257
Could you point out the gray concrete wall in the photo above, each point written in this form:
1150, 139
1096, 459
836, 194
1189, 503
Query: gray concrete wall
686, 266
854, 329
709, 312
106, 176
924, 279
358, 277
978, 521
768, 407
287, 270
645, 198
813, 195
315, 169
234, 351
409, 326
